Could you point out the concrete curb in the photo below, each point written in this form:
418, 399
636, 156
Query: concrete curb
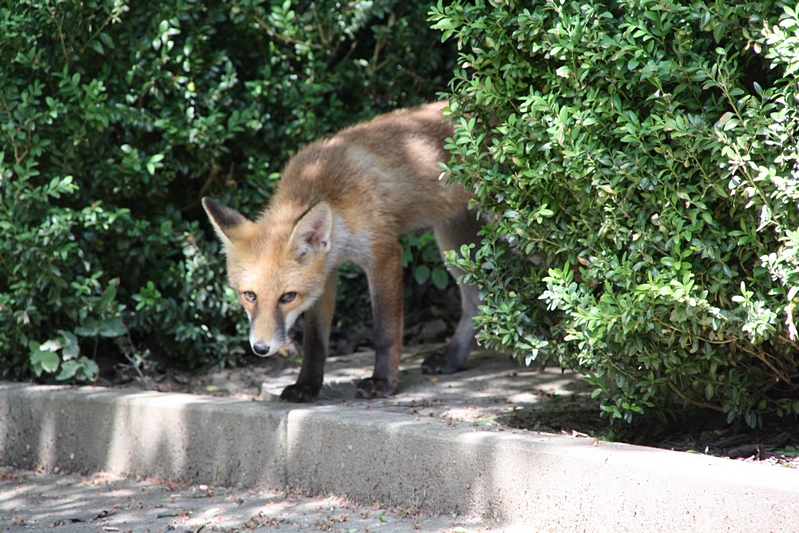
550, 482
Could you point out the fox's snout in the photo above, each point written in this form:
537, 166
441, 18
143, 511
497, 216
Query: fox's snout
263, 345
261, 348
269, 328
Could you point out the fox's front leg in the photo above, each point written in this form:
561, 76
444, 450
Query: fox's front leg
385, 285
314, 348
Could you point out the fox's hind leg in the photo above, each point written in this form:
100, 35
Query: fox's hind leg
316, 338
450, 235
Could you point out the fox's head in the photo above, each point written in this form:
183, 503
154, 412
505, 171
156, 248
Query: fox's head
277, 265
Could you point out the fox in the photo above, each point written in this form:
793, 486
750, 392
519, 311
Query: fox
349, 198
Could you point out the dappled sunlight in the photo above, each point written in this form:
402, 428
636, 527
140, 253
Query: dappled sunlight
441, 454
173, 436
157, 441
32, 502
48, 435
44, 501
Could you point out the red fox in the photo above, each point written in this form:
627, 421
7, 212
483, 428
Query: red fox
349, 198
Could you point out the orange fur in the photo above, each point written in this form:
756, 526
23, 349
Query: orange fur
348, 199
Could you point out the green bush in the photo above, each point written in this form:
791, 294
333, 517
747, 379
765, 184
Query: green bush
640, 162
117, 117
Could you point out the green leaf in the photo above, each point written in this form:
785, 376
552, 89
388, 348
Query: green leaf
724, 119
97, 47
421, 274
68, 370
52, 345
486, 420
440, 278
70, 349
154, 163
90, 328
82, 369
112, 327
90, 368
109, 294
43, 359
718, 31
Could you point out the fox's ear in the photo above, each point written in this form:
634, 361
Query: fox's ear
230, 225
311, 233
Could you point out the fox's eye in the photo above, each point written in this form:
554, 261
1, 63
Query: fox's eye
288, 297
249, 296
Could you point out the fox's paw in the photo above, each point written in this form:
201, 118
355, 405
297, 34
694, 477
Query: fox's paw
374, 388
299, 393
442, 363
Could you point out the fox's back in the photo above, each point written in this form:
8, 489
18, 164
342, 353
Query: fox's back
384, 173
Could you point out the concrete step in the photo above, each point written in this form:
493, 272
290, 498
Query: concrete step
540, 481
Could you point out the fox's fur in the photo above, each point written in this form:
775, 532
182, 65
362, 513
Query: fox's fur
348, 199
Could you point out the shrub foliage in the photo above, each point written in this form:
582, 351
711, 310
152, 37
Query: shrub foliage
639, 158
117, 117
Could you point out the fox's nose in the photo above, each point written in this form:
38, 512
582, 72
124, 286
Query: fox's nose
260, 348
